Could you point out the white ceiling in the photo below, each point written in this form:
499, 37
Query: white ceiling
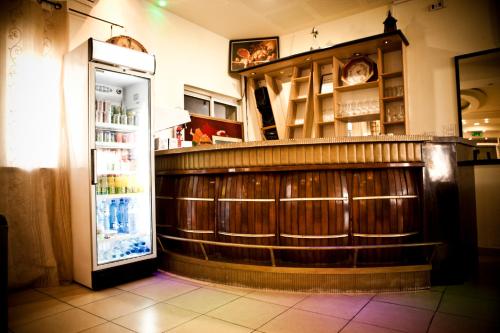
236, 19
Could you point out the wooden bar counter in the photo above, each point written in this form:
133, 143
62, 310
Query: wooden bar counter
356, 205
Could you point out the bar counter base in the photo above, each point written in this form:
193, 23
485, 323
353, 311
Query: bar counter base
394, 278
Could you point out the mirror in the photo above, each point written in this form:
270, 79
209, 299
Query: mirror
478, 100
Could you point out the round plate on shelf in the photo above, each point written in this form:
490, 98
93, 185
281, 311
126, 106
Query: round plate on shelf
357, 70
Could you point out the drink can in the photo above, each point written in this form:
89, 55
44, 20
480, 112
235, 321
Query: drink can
118, 137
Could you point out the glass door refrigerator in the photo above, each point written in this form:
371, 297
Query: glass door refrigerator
108, 117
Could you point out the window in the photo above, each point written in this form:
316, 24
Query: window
206, 103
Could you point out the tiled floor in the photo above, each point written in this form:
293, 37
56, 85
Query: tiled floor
169, 303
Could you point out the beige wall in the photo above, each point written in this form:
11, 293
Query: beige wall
464, 26
488, 205
185, 53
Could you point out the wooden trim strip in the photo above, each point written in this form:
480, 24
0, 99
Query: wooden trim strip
385, 235
245, 200
194, 231
375, 197
195, 199
164, 225
316, 199
245, 235
164, 197
313, 236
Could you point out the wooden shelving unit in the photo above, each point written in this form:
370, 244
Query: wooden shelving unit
315, 109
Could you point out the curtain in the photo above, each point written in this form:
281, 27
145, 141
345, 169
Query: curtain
34, 190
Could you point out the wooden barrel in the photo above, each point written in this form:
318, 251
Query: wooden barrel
166, 217
246, 212
313, 211
385, 209
195, 204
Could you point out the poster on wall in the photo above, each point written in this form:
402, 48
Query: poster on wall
201, 130
246, 53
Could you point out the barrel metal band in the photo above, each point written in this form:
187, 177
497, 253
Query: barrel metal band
245, 235
316, 199
314, 236
195, 199
385, 235
245, 200
375, 197
194, 231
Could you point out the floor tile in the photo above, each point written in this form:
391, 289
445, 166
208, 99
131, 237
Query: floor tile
156, 318
164, 290
474, 291
478, 308
184, 279
447, 323
26, 296
247, 312
338, 305
355, 327
209, 325
81, 296
231, 289
117, 306
395, 316
277, 297
25, 313
420, 299
202, 300
74, 320
299, 321
108, 327
56, 291
158, 277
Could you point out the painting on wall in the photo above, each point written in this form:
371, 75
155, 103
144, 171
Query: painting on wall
246, 53
201, 129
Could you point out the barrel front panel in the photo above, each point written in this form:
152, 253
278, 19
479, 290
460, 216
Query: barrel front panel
246, 212
166, 217
195, 203
385, 209
313, 212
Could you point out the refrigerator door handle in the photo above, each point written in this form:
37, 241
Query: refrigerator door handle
93, 166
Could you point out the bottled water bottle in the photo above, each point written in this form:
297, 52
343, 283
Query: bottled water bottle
105, 215
113, 215
123, 216
101, 222
131, 217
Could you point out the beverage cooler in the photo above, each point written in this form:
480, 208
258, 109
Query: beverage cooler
108, 116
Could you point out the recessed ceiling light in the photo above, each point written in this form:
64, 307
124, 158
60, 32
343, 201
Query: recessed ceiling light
386, 42
464, 121
486, 120
162, 3
476, 124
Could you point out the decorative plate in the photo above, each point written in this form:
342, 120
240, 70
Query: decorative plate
128, 42
357, 70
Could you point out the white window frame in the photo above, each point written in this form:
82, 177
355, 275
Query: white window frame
213, 97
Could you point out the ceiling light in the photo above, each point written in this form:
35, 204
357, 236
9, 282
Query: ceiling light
162, 3
476, 124
464, 121
486, 121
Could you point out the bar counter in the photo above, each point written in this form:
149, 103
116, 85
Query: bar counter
335, 203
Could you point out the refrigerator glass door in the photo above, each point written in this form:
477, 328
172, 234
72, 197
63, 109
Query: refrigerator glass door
123, 220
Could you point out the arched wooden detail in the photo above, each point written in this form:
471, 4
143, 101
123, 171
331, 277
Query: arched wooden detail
195, 204
313, 211
246, 214
385, 209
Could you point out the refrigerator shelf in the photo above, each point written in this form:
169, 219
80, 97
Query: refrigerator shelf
118, 196
116, 172
113, 145
117, 127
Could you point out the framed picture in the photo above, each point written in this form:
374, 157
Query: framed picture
202, 129
246, 53
326, 83
224, 139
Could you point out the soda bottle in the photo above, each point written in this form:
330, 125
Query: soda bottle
104, 185
113, 215
118, 184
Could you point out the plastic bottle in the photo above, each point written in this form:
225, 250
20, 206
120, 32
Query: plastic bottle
111, 184
104, 185
131, 217
105, 213
100, 217
123, 216
113, 215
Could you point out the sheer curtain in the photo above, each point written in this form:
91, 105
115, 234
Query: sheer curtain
34, 191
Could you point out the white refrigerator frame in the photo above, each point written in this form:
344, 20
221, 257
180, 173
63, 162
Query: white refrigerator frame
79, 86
